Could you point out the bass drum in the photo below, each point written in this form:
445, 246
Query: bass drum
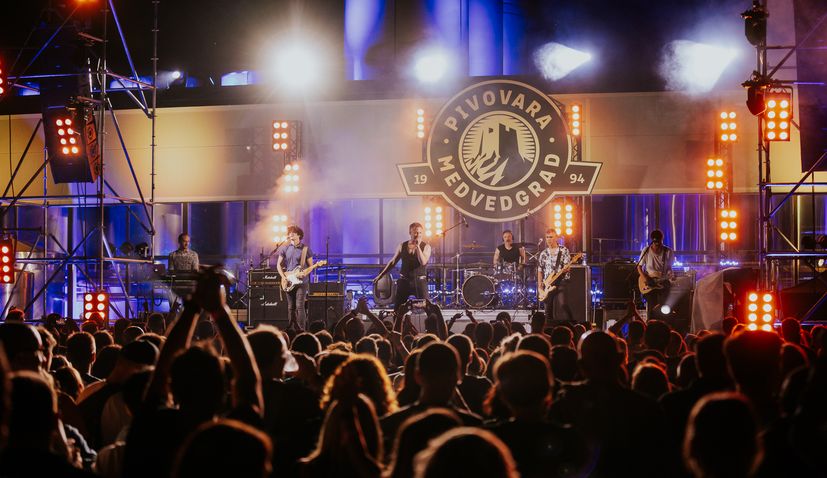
480, 291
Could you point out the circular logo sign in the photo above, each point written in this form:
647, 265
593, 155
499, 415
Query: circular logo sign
498, 150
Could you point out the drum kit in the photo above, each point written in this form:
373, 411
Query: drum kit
506, 285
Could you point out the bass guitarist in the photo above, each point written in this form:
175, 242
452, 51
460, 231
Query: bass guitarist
655, 268
553, 259
292, 255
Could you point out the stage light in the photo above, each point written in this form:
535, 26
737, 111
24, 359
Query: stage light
766, 328
694, 67
420, 123
554, 61
279, 228
576, 119
3, 78
176, 75
299, 65
665, 309
7, 259
716, 177
281, 135
760, 305
727, 126
563, 215
728, 225
433, 221
97, 302
777, 115
431, 65
755, 24
72, 143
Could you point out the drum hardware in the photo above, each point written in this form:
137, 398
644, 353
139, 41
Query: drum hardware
473, 245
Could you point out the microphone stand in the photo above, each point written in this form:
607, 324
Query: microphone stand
442, 257
278, 246
326, 281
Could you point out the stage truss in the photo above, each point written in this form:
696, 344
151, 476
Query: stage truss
92, 268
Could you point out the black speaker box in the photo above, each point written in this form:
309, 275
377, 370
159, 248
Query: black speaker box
619, 280
268, 306
578, 294
330, 311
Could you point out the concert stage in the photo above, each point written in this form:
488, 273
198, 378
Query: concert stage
233, 160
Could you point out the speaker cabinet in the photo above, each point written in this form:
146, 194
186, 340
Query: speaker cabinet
330, 311
578, 294
619, 280
268, 306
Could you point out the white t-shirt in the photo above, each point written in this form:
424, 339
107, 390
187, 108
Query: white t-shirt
657, 264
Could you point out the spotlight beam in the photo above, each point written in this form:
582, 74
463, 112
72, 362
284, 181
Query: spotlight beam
555, 60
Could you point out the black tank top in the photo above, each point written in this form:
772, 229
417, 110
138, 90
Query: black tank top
506, 255
411, 267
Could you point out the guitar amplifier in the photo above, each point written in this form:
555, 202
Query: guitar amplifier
330, 289
268, 306
264, 278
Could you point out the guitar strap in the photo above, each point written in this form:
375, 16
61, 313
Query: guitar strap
559, 258
304, 258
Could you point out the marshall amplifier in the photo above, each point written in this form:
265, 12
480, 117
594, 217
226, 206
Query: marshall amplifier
329, 289
264, 278
268, 306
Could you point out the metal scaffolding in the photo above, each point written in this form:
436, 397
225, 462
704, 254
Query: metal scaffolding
105, 195
763, 79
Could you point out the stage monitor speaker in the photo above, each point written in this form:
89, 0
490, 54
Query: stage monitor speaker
268, 306
330, 311
578, 294
619, 280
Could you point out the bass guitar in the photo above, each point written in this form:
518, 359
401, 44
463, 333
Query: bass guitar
549, 286
294, 278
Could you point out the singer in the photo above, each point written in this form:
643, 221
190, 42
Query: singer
414, 254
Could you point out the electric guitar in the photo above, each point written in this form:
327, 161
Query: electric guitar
550, 280
294, 278
657, 283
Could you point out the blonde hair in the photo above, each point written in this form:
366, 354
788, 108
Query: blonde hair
361, 374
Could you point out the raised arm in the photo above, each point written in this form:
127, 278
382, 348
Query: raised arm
496, 256
522, 255
362, 308
247, 381
390, 264
179, 336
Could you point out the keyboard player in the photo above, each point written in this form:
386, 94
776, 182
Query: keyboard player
182, 268
183, 259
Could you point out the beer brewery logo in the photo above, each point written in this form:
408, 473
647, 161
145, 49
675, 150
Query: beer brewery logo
499, 151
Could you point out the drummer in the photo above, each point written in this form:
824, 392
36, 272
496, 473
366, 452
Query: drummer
507, 254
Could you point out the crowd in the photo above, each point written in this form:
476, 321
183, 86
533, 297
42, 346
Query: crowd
374, 397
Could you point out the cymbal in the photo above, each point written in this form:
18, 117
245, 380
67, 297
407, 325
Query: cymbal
478, 265
473, 245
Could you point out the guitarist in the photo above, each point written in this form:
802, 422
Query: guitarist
554, 258
295, 254
655, 267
